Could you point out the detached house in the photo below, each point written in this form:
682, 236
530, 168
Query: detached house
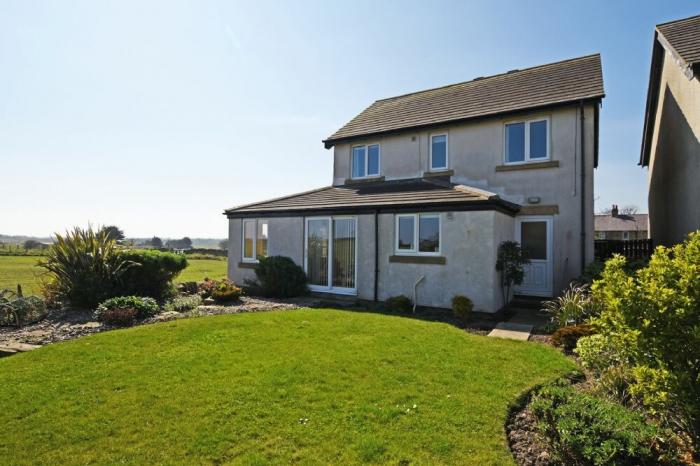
427, 185
671, 139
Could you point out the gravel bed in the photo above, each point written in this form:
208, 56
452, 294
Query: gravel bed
61, 325
528, 445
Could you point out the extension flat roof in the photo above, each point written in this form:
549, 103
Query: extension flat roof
387, 196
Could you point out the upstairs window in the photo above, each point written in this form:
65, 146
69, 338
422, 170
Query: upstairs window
254, 240
527, 141
418, 234
365, 161
438, 152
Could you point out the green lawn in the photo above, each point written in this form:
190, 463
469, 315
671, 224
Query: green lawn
309, 387
23, 270
199, 269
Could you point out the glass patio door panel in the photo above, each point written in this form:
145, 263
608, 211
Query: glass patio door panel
344, 253
318, 252
331, 254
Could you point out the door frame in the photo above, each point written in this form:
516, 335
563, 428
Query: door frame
549, 219
330, 288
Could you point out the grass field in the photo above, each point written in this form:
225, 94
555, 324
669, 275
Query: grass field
24, 271
308, 387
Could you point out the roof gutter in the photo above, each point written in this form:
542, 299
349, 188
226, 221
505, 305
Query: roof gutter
330, 142
499, 205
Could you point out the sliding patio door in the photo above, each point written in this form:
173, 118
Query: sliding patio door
331, 254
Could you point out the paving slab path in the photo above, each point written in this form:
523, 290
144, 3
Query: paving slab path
512, 331
13, 347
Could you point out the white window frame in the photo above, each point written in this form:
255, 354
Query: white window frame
625, 235
527, 123
256, 223
352, 160
447, 152
416, 238
330, 288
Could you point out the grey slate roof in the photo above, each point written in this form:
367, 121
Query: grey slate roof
683, 36
555, 83
635, 222
383, 196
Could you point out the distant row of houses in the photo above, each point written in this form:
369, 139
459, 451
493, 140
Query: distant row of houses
621, 226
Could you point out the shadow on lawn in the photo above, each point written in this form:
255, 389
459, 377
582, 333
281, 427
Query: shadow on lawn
479, 323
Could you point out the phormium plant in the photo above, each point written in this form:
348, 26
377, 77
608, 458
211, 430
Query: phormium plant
85, 266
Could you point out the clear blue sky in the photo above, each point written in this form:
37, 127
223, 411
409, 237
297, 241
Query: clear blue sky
156, 116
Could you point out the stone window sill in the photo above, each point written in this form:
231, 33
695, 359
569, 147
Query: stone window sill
435, 260
247, 265
528, 166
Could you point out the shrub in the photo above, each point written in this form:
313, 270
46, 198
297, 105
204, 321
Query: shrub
208, 286
585, 429
510, 263
280, 277
462, 307
220, 290
51, 294
205, 288
567, 337
188, 287
574, 307
119, 317
20, 310
85, 266
143, 307
152, 273
600, 351
650, 323
594, 270
400, 304
183, 303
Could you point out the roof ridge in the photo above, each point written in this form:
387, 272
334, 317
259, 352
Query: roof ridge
677, 20
484, 78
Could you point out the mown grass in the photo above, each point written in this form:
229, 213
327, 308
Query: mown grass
308, 387
23, 270
20, 270
199, 269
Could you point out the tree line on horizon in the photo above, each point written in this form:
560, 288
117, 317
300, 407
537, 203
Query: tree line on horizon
117, 234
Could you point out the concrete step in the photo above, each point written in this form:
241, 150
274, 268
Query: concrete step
527, 302
511, 331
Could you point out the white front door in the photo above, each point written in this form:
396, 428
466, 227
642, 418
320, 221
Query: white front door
535, 236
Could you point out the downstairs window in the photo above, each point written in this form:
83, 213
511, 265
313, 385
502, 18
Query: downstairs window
418, 234
254, 240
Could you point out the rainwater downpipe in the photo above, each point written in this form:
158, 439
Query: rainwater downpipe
415, 292
582, 191
376, 256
